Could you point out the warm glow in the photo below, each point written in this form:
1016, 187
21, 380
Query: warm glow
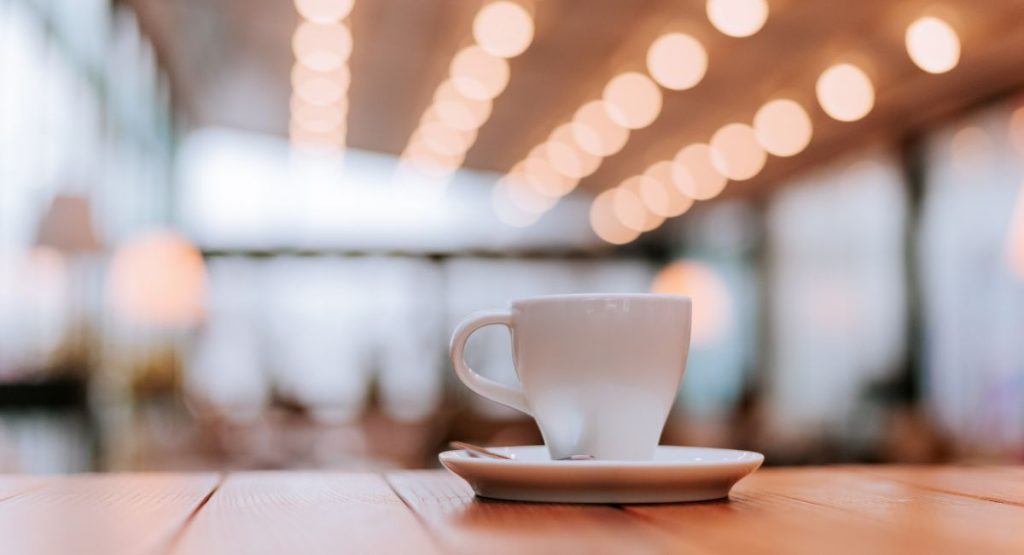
457, 111
632, 100
933, 45
677, 61
659, 192
159, 279
629, 208
319, 88
567, 156
430, 163
643, 219
324, 11
1015, 245
782, 127
595, 131
1017, 129
845, 92
695, 174
310, 116
322, 47
738, 18
301, 75
604, 222
445, 140
544, 178
712, 303
479, 75
503, 29
320, 92
736, 153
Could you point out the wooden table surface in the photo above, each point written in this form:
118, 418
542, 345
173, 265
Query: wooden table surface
849, 509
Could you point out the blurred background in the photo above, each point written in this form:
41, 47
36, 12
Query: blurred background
237, 234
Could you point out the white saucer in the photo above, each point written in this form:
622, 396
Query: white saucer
676, 474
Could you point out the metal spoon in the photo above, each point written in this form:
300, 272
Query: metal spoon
477, 451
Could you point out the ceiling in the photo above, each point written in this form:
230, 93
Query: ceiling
229, 61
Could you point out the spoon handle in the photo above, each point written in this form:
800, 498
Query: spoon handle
477, 450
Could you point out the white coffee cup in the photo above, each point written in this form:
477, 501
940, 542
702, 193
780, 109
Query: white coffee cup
599, 373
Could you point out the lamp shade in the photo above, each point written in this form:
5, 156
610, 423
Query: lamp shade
67, 226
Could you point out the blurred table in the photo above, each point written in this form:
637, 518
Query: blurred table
854, 509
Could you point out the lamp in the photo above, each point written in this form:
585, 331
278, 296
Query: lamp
67, 226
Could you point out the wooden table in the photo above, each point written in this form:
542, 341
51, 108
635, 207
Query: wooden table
853, 509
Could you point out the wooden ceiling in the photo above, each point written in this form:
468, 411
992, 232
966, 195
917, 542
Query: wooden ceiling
230, 62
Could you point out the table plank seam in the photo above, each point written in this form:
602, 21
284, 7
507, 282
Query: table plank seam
431, 533
935, 489
176, 537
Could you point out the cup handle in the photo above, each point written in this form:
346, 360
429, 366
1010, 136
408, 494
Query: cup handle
508, 396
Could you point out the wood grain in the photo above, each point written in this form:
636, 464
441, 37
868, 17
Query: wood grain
1002, 485
835, 510
12, 485
463, 523
759, 522
896, 516
100, 514
304, 513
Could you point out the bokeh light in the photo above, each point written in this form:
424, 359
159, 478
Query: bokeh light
158, 278
712, 305
659, 192
845, 92
649, 220
736, 153
320, 92
629, 208
420, 157
737, 18
543, 177
324, 11
1015, 244
311, 116
933, 45
567, 156
677, 61
605, 224
421, 151
503, 29
478, 75
302, 74
322, 46
445, 140
1017, 129
596, 132
457, 111
525, 196
695, 173
782, 127
632, 100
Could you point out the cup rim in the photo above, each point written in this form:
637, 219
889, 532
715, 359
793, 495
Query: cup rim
584, 297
